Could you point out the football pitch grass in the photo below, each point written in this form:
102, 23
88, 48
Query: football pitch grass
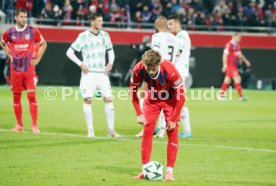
234, 143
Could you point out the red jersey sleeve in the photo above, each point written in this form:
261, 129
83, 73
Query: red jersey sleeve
133, 88
37, 36
6, 37
135, 78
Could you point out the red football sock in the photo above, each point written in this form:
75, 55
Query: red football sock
172, 146
17, 108
33, 107
146, 145
238, 88
224, 87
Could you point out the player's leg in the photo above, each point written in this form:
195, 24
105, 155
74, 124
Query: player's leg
105, 88
33, 110
144, 88
17, 107
30, 83
224, 86
87, 87
162, 126
17, 87
151, 112
110, 117
88, 116
172, 147
237, 81
185, 118
186, 124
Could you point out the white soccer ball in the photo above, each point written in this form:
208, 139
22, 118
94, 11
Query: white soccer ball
153, 171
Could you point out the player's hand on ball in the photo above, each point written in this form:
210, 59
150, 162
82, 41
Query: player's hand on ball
141, 119
84, 68
171, 125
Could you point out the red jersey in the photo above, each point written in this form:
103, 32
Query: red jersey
232, 50
167, 80
167, 77
21, 44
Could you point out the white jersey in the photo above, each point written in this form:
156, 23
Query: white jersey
166, 44
182, 61
93, 48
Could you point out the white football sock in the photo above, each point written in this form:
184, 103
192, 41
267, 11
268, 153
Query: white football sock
88, 117
162, 121
109, 113
170, 169
185, 117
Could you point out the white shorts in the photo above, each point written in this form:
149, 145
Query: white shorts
93, 81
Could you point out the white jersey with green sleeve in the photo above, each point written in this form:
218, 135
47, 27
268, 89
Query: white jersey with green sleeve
93, 48
166, 44
182, 61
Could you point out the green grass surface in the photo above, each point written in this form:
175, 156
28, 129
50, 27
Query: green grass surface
234, 143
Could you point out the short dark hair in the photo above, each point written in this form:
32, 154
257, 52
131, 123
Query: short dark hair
93, 17
175, 17
20, 10
151, 58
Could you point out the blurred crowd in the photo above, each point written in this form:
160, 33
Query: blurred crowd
192, 12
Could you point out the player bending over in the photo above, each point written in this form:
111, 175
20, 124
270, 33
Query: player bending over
165, 92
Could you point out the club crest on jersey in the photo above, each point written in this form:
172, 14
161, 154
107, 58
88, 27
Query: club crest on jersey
27, 36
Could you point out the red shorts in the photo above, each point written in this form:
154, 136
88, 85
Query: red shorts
232, 72
152, 109
23, 80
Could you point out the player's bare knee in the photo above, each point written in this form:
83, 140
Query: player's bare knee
107, 100
237, 79
227, 80
30, 90
87, 101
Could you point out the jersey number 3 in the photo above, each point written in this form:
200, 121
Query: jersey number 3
171, 52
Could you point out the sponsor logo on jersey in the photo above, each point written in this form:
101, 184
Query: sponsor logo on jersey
21, 46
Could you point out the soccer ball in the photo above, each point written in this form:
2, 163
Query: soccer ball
153, 171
